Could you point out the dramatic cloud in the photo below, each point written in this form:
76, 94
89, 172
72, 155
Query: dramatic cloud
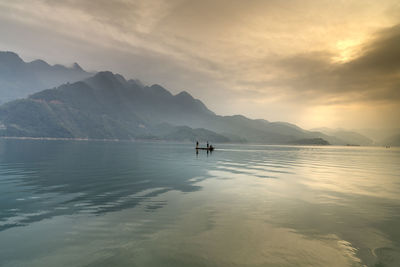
373, 75
315, 63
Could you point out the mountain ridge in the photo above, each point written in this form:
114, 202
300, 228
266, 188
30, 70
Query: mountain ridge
107, 106
352, 137
18, 78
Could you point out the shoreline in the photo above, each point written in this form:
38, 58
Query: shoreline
167, 141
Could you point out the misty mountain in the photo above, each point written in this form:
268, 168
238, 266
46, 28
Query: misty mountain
18, 78
310, 141
107, 106
380, 134
349, 137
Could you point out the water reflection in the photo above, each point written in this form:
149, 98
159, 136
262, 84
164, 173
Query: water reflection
156, 204
42, 179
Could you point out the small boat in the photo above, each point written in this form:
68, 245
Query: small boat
211, 148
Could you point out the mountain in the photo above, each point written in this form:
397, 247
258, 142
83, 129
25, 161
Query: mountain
379, 134
348, 137
310, 141
107, 106
185, 133
18, 78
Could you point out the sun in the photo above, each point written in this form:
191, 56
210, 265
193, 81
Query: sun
346, 50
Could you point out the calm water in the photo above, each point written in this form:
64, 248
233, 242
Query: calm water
67, 203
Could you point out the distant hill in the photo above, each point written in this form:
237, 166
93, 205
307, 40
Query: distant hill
185, 133
18, 78
107, 106
348, 137
310, 141
380, 134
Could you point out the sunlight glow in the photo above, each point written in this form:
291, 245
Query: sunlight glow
347, 50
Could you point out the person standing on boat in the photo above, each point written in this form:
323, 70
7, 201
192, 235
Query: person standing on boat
197, 144
207, 145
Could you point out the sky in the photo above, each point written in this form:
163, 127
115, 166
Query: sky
315, 63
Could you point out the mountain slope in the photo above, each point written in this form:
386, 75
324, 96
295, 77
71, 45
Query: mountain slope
104, 106
108, 106
350, 137
18, 79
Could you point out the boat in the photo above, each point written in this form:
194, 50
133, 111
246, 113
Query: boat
205, 148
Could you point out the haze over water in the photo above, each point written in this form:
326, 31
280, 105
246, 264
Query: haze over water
70, 203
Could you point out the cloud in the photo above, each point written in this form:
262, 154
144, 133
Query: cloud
381, 54
373, 75
269, 59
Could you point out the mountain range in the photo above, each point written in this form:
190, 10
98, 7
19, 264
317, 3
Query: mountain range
351, 137
107, 106
18, 78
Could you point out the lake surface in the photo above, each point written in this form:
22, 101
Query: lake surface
78, 203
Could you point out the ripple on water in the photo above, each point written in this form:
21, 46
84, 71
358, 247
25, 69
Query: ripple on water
147, 204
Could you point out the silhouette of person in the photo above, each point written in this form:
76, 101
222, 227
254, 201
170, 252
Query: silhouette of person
197, 144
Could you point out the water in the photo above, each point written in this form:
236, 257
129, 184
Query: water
77, 203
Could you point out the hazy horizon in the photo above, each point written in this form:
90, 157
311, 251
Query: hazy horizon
314, 63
